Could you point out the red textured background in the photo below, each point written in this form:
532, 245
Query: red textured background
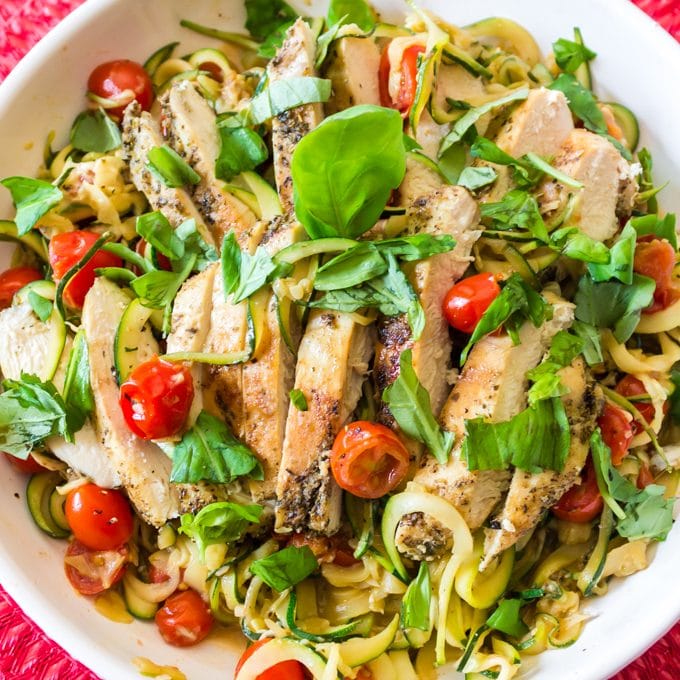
26, 653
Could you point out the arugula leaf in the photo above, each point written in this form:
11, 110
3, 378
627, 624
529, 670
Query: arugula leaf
518, 209
264, 17
506, 618
78, 396
170, 168
209, 452
30, 411
345, 170
612, 304
621, 255
357, 12
42, 307
473, 178
285, 568
156, 230
415, 605
573, 243
298, 399
241, 149
661, 227
409, 403
536, 439
95, 131
592, 349
569, 55
517, 301
222, 522
32, 199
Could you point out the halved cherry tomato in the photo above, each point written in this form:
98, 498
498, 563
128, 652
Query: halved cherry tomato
113, 79
69, 248
630, 386
583, 502
184, 619
368, 459
93, 571
466, 302
617, 431
408, 83
99, 518
333, 550
156, 398
656, 258
645, 477
30, 466
13, 280
286, 670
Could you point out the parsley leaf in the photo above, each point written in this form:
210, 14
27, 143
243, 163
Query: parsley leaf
415, 605
170, 168
209, 452
569, 55
409, 403
32, 199
285, 568
95, 131
78, 396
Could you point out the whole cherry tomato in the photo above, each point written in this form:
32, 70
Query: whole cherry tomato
100, 519
30, 466
122, 80
184, 619
655, 258
583, 502
156, 398
408, 83
368, 459
69, 248
13, 280
617, 431
93, 571
466, 302
630, 386
286, 670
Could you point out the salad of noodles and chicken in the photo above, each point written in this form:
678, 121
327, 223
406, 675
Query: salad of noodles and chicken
359, 337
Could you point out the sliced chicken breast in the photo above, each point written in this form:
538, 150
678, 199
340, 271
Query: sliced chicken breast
332, 364
492, 385
531, 494
141, 465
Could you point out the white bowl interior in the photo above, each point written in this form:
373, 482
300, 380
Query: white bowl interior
637, 65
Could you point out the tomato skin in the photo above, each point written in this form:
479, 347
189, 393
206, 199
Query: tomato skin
13, 280
645, 477
655, 258
467, 300
184, 619
111, 79
30, 466
582, 502
617, 431
101, 519
368, 459
156, 398
103, 568
630, 386
408, 84
286, 670
333, 550
68, 249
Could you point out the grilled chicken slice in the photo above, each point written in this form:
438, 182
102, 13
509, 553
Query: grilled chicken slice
492, 385
449, 210
353, 65
140, 135
141, 465
609, 185
295, 58
192, 131
25, 349
332, 364
531, 494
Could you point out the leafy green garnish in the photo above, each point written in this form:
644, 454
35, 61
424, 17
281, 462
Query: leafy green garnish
518, 209
473, 178
506, 618
241, 149
573, 243
285, 568
268, 21
409, 403
32, 199
621, 255
95, 131
661, 227
345, 169
357, 12
209, 452
674, 398
646, 180
170, 168
78, 395
415, 605
569, 55
298, 399
592, 349
42, 307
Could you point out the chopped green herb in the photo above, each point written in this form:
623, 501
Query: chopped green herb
298, 399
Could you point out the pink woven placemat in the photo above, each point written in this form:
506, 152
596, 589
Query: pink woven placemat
26, 653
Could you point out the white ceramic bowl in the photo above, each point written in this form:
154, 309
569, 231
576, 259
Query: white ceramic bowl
637, 64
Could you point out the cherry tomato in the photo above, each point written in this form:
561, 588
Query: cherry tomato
286, 670
333, 550
408, 83
583, 502
13, 280
617, 431
65, 251
368, 459
645, 477
656, 258
184, 619
30, 466
99, 518
156, 398
630, 386
93, 571
468, 299
115, 79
